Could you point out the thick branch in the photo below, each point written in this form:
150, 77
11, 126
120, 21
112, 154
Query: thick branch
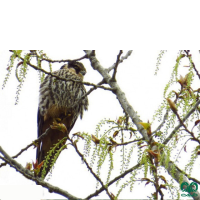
30, 176
188, 176
135, 119
174, 171
118, 92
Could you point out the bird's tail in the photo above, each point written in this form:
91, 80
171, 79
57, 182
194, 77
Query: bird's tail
49, 160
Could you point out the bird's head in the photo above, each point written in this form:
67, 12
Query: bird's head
77, 67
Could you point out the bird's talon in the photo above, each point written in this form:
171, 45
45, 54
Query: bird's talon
59, 126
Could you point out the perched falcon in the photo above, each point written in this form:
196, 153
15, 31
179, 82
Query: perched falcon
60, 102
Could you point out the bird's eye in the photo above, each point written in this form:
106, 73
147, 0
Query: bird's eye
77, 69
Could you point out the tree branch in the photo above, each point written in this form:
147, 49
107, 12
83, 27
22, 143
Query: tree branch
118, 92
191, 61
28, 146
186, 129
89, 168
125, 143
114, 180
121, 60
162, 123
30, 176
173, 170
63, 61
116, 65
88, 92
133, 115
61, 78
180, 124
114, 87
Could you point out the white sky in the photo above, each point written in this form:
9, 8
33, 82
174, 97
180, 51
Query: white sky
18, 123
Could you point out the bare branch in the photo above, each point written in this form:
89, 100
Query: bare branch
162, 123
30, 176
116, 65
89, 168
125, 143
64, 79
186, 129
90, 90
118, 92
121, 60
189, 57
114, 180
28, 146
63, 61
197, 72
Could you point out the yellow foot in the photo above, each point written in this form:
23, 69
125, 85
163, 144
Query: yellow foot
58, 126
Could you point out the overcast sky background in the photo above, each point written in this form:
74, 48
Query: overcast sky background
18, 123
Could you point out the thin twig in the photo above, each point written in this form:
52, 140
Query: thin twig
90, 169
28, 146
196, 69
64, 79
114, 180
162, 123
186, 129
116, 65
125, 143
189, 57
178, 126
69, 79
121, 60
66, 60
33, 143
88, 92
167, 112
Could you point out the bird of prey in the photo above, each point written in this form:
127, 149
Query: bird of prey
60, 102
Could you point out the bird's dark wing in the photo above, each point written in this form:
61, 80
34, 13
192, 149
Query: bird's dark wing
40, 123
